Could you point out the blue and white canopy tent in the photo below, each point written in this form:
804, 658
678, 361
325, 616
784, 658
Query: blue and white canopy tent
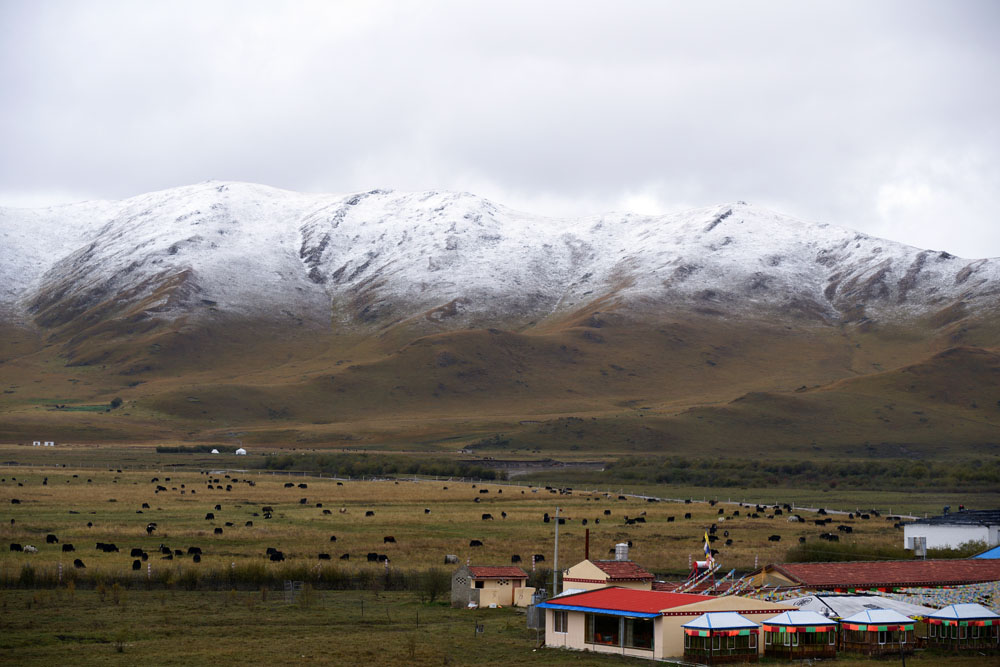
720, 623
964, 614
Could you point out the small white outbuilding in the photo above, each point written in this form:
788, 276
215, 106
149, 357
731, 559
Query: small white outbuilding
241, 452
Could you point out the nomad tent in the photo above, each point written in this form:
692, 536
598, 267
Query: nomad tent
877, 632
721, 636
798, 635
964, 627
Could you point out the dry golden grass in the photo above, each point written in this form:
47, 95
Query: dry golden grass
302, 531
641, 383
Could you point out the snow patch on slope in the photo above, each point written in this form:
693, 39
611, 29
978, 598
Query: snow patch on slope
382, 256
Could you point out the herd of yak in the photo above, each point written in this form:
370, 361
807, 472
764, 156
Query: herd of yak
167, 553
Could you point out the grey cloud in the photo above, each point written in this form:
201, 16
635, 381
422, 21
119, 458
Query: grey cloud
878, 116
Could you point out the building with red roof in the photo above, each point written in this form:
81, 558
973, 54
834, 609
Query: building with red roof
639, 623
593, 574
487, 585
848, 577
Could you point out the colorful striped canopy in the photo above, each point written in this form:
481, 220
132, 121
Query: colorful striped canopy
716, 621
964, 614
799, 621
876, 628
718, 633
982, 623
872, 620
799, 628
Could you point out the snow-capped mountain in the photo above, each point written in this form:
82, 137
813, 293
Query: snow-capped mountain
381, 257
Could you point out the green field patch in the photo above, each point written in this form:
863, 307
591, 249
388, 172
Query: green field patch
69, 405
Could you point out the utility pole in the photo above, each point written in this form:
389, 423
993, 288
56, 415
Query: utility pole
555, 560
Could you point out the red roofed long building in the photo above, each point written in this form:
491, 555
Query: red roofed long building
640, 623
884, 575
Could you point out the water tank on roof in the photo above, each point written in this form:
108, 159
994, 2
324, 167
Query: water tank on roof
621, 551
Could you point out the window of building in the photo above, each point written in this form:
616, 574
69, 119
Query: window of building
639, 633
753, 640
962, 632
480, 584
560, 621
603, 629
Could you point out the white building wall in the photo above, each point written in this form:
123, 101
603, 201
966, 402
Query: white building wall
944, 536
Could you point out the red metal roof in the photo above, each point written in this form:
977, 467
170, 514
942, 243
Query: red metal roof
627, 599
623, 570
898, 573
497, 572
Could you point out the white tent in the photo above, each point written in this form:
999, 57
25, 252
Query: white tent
241, 452
842, 606
875, 618
721, 620
215, 451
954, 614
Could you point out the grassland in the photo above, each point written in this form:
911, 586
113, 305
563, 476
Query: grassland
171, 627
250, 627
610, 383
112, 502
230, 607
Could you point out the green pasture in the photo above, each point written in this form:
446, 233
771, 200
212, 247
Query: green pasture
67, 625
231, 607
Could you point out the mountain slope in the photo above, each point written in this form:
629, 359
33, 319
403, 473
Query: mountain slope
385, 316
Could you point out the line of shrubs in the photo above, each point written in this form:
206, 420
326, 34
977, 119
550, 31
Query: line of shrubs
249, 575
877, 473
194, 449
368, 465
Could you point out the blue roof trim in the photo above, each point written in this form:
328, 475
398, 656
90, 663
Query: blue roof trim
989, 553
596, 610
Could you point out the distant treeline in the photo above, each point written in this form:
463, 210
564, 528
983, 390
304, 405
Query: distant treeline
193, 449
881, 473
379, 465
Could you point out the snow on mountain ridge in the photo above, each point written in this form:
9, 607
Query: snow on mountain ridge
383, 256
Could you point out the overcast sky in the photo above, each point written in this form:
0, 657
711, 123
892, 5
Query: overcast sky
879, 116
